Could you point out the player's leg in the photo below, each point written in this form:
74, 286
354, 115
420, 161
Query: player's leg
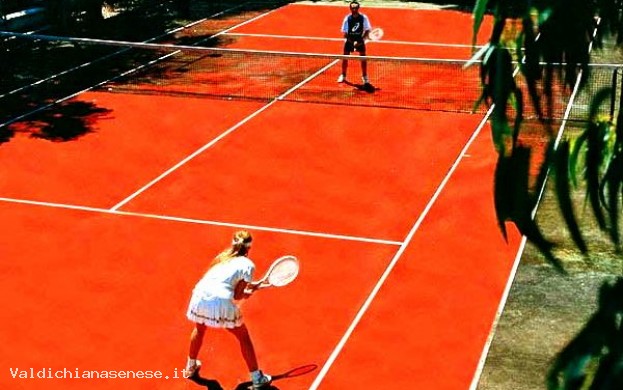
196, 339
342, 77
248, 353
364, 65
246, 346
348, 48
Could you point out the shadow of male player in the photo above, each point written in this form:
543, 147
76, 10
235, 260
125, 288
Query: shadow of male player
212, 384
369, 88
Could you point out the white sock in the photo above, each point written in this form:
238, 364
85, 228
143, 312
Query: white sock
191, 362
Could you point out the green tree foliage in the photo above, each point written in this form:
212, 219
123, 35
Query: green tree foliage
594, 358
552, 51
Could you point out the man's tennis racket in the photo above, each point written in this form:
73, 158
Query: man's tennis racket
282, 272
376, 34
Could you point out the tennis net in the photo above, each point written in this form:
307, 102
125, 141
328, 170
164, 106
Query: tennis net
225, 73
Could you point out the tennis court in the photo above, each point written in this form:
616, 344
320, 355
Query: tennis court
388, 207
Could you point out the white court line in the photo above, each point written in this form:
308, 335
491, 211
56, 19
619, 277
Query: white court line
342, 40
219, 137
336, 351
202, 221
509, 283
191, 156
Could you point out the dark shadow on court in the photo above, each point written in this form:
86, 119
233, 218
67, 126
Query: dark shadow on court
213, 384
206, 40
65, 122
298, 371
369, 88
249, 385
6, 135
25, 63
210, 384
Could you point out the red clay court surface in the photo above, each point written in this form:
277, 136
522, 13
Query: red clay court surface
390, 212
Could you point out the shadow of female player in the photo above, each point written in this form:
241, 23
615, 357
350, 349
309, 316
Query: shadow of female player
212, 384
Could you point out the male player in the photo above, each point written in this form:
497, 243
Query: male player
356, 28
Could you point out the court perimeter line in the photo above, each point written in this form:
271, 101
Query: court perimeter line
219, 137
342, 39
394, 261
202, 221
498, 314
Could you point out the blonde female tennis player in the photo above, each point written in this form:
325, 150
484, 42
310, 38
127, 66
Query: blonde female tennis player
213, 304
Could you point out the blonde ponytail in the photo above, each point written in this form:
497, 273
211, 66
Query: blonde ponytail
240, 245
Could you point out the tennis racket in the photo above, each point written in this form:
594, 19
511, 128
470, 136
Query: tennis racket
282, 272
298, 371
376, 34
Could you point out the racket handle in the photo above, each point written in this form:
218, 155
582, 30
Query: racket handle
254, 286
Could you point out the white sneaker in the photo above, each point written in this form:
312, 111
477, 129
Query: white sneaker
341, 79
264, 380
365, 80
191, 371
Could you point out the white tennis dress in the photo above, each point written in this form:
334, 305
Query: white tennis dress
212, 302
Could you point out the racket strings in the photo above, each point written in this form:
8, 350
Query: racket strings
376, 34
283, 273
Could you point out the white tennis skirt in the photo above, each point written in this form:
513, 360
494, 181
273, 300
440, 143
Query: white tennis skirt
214, 312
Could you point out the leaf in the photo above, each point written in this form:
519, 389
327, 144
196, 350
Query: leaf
501, 193
530, 66
602, 96
612, 181
548, 159
574, 157
599, 340
498, 80
594, 152
521, 204
498, 29
518, 105
563, 194
609, 374
480, 9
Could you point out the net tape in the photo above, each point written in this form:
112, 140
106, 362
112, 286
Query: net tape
227, 73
